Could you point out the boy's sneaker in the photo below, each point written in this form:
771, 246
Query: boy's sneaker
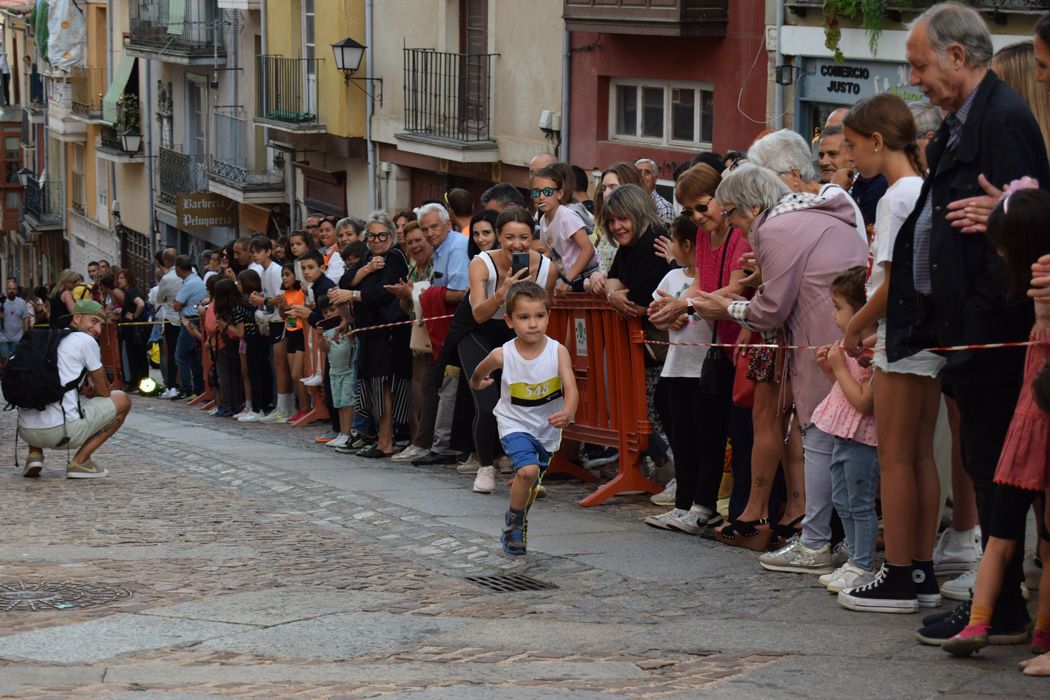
34, 464
927, 591
313, 380
359, 442
849, 575
662, 520
409, 453
972, 639
169, 393
828, 578
693, 520
339, 440
959, 588
249, 417
274, 416
956, 552
512, 539
485, 481
1006, 628
326, 437
880, 595
665, 497
797, 558
87, 470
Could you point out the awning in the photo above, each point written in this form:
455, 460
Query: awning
176, 16
116, 88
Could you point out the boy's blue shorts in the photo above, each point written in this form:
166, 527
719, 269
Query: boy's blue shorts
524, 450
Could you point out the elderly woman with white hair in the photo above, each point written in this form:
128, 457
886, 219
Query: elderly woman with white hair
801, 244
385, 375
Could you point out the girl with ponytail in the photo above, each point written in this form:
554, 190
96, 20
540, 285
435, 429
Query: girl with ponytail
880, 130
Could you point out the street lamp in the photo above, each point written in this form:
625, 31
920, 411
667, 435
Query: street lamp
348, 56
23, 176
131, 140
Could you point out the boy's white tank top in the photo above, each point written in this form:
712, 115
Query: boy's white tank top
530, 393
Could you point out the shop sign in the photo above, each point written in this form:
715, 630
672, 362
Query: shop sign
849, 82
254, 219
200, 211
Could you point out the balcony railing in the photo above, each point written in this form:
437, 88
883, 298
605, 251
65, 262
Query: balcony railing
45, 201
649, 17
1027, 7
184, 29
79, 193
109, 141
288, 91
37, 96
231, 161
179, 173
448, 96
89, 85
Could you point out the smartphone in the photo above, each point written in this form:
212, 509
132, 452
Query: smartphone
519, 261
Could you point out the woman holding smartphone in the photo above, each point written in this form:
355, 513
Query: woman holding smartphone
492, 274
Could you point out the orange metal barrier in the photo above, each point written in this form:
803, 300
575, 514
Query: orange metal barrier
109, 343
610, 374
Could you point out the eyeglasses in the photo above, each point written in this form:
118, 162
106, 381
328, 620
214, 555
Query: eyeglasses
701, 208
377, 236
726, 213
546, 192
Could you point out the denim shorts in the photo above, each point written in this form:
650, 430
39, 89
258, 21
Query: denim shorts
7, 348
525, 450
343, 388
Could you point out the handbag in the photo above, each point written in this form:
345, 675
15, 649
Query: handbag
743, 388
716, 374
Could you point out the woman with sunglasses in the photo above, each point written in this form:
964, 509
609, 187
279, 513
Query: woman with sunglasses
385, 375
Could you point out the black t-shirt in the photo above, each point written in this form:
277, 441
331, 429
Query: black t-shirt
639, 268
130, 295
320, 289
867, 193
243, 313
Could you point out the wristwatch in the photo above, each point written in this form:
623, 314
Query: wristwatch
689, 307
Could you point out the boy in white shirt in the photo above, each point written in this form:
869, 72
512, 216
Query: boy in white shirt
538, 399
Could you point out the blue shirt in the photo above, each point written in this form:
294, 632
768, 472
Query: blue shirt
191, 293
450, 263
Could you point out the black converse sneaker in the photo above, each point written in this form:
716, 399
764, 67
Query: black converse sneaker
927, 590
887, 593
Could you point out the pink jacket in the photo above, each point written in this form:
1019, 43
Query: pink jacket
801, 245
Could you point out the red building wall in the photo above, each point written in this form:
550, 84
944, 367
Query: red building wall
724, 62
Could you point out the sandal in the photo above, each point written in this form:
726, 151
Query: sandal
749, 534
782, 532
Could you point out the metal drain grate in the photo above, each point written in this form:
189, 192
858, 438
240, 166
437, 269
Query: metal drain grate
48, 595
510, 583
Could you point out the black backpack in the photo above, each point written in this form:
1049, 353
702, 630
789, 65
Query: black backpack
31, 379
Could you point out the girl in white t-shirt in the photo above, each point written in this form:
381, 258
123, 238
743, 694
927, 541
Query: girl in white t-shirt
563, 230
681, 374
880, 131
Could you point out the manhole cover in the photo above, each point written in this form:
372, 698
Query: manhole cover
48, 595
509, 583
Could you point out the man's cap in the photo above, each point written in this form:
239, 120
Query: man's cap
89, 307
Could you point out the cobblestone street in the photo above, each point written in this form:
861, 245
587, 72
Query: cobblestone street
229, 560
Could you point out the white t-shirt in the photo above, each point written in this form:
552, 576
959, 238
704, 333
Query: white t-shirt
77, 352
558, 236
683, 360
335, 267
271, 284
894, 207
530, 393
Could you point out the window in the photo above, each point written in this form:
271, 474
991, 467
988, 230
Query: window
77, 181
102, 191
679, 114
310, 54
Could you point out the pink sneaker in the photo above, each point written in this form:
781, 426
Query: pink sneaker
1040, 641
972, 639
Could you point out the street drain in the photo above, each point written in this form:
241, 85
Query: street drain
510, 583
48, 595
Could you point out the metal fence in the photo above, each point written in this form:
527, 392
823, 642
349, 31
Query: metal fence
288, 90
448, 95
44, 200
179, 173
233, 137
191, 27
88, 85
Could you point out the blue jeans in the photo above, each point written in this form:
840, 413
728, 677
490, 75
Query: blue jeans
854, 484
188, 360
817, 447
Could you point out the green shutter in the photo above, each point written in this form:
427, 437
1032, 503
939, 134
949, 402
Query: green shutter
176, 16
116, 88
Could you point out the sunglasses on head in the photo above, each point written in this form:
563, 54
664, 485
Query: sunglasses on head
545, 191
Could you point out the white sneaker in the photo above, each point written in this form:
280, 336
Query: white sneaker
665, 497
959, 588
849, 576
956, 552
339, 440
828, 578
409, 453
797, 558
213, 411
313, 380
249, 417
661, 521
840, 554
274, 416
169, 393
485, 481
693, 520
471, 466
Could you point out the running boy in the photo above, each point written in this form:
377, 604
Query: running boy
538, 398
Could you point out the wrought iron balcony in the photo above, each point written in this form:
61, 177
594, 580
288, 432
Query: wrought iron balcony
448, 97
177, 31
288, 93
234, 160
179, 173
88, 84
44, 203
1024, 7
650, 17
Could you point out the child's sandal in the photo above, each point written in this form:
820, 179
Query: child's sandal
749, 534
